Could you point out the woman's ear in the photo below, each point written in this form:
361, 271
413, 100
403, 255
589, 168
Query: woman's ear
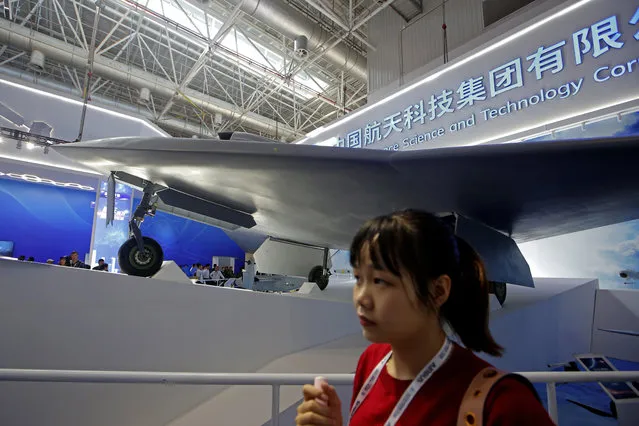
440, 290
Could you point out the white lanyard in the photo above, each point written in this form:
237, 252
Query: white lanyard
412, 390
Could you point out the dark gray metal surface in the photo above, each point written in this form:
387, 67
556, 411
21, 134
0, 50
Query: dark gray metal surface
533, 190
502, 258
321, 195
174, 198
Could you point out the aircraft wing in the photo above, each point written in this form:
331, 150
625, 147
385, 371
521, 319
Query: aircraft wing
321, 195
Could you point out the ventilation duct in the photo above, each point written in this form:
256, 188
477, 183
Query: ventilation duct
59, 51
97, 100
291, 23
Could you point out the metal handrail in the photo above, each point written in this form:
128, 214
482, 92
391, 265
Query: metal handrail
156, 377
277, 380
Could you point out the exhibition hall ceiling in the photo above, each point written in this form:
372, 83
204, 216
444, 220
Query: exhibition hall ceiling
197, 67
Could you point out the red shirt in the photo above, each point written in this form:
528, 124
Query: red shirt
510, 402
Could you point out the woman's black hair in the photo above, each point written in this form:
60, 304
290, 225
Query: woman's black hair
425, 247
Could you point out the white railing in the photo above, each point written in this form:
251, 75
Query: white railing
277, 380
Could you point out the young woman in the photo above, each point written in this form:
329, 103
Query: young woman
413, 277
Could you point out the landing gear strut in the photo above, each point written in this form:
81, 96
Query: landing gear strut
141, 256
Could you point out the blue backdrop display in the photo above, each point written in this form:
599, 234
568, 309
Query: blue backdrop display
48, 222
45, 221
108, 239
186, 241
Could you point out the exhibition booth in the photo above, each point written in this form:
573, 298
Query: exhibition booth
570, 73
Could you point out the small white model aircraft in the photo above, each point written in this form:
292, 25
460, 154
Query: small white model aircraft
493, 195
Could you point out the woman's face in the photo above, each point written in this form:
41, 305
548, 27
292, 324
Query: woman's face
387, 305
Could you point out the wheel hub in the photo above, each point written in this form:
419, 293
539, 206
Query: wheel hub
143, 263
142, 258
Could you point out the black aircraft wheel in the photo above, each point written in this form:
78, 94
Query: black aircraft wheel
499, 290
318, 277
142, 264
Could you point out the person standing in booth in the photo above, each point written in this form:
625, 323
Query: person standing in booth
101, 266
413, 275
75, 262
217, 275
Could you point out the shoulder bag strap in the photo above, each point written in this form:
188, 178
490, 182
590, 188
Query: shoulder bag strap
471, 410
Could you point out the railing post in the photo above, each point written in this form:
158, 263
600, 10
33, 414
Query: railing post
551, 392
275, 406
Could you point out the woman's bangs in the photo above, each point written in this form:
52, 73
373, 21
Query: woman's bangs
379, 241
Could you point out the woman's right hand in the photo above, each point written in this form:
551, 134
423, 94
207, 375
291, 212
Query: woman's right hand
313, 413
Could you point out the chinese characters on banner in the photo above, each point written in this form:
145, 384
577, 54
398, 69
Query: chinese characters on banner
595, 40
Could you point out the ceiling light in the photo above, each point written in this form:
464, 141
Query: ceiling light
145, 96
36, 61
300, 46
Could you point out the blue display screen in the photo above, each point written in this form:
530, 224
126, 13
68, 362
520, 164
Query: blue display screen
6, 248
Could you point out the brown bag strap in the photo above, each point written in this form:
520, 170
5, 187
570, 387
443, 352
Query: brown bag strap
471, 410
